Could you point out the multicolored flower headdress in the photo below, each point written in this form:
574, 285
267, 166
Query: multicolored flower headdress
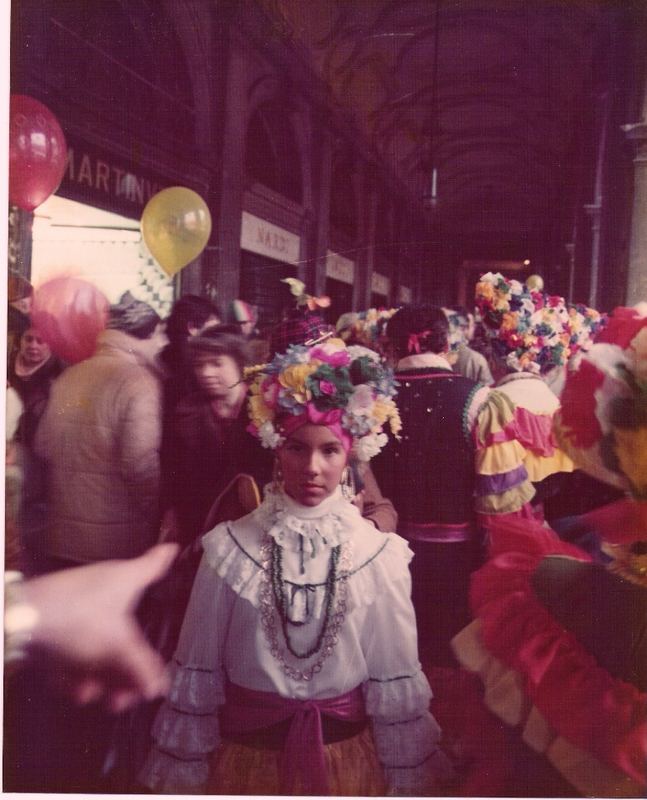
584, 324
602, 423
364, 327
348, 389
529, 329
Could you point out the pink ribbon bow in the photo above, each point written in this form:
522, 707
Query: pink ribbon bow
248, 710
413, 345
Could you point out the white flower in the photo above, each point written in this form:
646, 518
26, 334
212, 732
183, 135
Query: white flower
491, 277
269, 437
370, 445
361, 401
357, 351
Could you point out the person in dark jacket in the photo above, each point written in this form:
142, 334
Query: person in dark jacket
206, 443
430, 474
190, 315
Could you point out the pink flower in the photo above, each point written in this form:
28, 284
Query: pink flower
270, 391
330, 355
327, 387
538, 299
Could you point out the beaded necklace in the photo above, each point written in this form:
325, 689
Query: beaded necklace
273, 604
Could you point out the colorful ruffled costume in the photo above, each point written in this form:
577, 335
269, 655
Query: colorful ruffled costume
560, 641
534, 335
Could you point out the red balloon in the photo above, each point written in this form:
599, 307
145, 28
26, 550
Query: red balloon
37, 152
69, 313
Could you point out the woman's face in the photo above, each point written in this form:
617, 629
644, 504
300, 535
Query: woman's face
33, 350
312, 461
216, 373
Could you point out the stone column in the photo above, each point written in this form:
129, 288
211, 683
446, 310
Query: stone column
637, 273
365, 244
223, 267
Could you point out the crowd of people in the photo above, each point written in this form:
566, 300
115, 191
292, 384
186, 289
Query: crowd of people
211, 590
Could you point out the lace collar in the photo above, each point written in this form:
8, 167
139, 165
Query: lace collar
307, 529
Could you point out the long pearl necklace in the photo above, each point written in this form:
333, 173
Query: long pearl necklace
273, 605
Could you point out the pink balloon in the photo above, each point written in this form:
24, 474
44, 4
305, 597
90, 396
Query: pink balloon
37, 152
69, 313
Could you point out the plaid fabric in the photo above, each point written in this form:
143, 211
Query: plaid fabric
298, 328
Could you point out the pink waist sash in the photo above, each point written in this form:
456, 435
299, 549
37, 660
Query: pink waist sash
248, 710
437, 531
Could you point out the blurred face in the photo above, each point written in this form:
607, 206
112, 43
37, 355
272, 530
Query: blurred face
216, 373
33, 350
312, 461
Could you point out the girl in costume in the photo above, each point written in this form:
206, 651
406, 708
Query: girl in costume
531, 336
560, 638
300, 627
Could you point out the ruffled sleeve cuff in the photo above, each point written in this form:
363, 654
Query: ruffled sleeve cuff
391, 698
407, 737
167, 773
185, 732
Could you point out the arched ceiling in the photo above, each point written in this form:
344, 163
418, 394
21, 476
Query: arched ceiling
512, 79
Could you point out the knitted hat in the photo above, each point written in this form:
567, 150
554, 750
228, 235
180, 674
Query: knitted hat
133, 317
345, 388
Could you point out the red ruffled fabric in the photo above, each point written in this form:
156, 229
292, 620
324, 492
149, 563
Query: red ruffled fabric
580, 701
533, 431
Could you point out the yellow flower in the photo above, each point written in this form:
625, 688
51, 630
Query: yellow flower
259, 411
485, 290
395, 422
382, 410
294, 377
630, 446
509, 321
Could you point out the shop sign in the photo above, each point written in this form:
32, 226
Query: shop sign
97, 178
404, 294
380, 284
262, 237
339, 268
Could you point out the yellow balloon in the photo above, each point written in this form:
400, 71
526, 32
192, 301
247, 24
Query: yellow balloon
176, 225
535, 282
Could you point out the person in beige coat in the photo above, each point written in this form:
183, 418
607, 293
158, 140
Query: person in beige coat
100, 436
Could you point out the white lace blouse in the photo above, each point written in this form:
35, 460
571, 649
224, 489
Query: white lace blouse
222, 638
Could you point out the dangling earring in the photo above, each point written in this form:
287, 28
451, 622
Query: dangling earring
347, 484
277, 475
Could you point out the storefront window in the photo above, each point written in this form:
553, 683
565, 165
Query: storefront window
106, 249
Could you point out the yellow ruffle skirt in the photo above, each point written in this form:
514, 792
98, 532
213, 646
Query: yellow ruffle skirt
352, 766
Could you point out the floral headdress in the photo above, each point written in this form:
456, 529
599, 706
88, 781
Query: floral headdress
345, 388
602, 423
529, 329
457, 325
584, 324
364, 327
